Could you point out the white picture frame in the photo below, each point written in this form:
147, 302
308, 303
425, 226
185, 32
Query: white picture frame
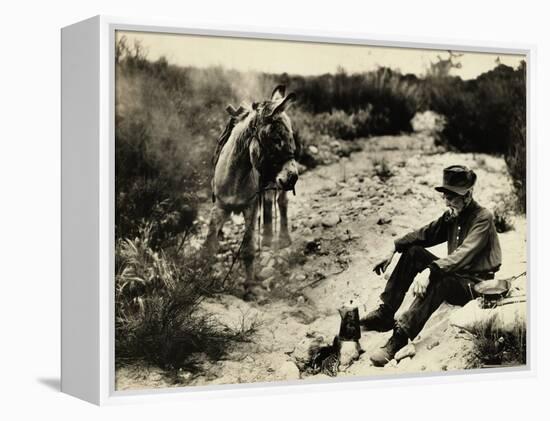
88, 209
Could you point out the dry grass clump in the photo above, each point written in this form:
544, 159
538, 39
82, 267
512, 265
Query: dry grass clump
493, 346
382, 169
158, 308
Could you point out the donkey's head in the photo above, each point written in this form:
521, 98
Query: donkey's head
272, 151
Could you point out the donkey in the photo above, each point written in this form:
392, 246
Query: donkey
255, 154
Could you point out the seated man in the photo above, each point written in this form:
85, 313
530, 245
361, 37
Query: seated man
473, 255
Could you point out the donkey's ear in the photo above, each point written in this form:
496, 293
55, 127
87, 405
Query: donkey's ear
278, 93
284, 104
231, 111
235, 112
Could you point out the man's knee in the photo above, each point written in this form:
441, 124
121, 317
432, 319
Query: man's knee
440, 284
414, 251
419, 257
437, 278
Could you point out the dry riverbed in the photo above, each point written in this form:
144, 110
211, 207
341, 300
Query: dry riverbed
344, 219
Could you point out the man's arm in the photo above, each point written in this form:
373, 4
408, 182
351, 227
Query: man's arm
474, 242
430, 235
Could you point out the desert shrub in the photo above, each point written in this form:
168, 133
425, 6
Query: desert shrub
503, 213
141, 271
516, 156
393, 97
362, 121
487, 114
163, 143
495, 347
382, 169
337, 124
503, 221
166, 212
478, 111
157, 306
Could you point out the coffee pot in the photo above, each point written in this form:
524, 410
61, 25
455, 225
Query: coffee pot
350, 329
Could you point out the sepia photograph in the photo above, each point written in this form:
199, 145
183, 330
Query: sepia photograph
291, 211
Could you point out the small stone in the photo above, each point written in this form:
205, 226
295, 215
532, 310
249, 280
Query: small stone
266, 272
313, 149
404, 361
284, 254
331, 220
432, 345
403, 191
300, 277
300, 299
155, 377
349, 352
347, 194
391, 364
301, 168
313, 222
407, 351
289, 371
383, 220
265, 258
185, 375
306, 232
267, 283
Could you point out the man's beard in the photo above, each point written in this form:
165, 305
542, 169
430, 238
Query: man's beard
453, 212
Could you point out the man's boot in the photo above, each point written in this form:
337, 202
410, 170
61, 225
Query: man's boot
379, 320
385, 354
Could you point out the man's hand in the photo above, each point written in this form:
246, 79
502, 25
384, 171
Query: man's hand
420, 286
381, 267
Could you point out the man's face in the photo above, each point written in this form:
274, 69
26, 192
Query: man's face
454, 202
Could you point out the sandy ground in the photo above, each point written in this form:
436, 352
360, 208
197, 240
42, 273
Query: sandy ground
344, 219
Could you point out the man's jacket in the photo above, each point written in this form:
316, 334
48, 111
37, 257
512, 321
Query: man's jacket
472, 241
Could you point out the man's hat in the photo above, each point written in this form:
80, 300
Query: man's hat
457, 179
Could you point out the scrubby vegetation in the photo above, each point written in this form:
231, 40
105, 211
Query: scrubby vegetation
382, 169
167, 121
503, 213
493, 346
487, 114
158, 296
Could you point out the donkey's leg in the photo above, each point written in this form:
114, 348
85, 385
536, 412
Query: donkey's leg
248, 247
218, 216
284, 236
268, 218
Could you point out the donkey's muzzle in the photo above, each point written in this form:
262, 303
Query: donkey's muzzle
287, 177
289, 183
